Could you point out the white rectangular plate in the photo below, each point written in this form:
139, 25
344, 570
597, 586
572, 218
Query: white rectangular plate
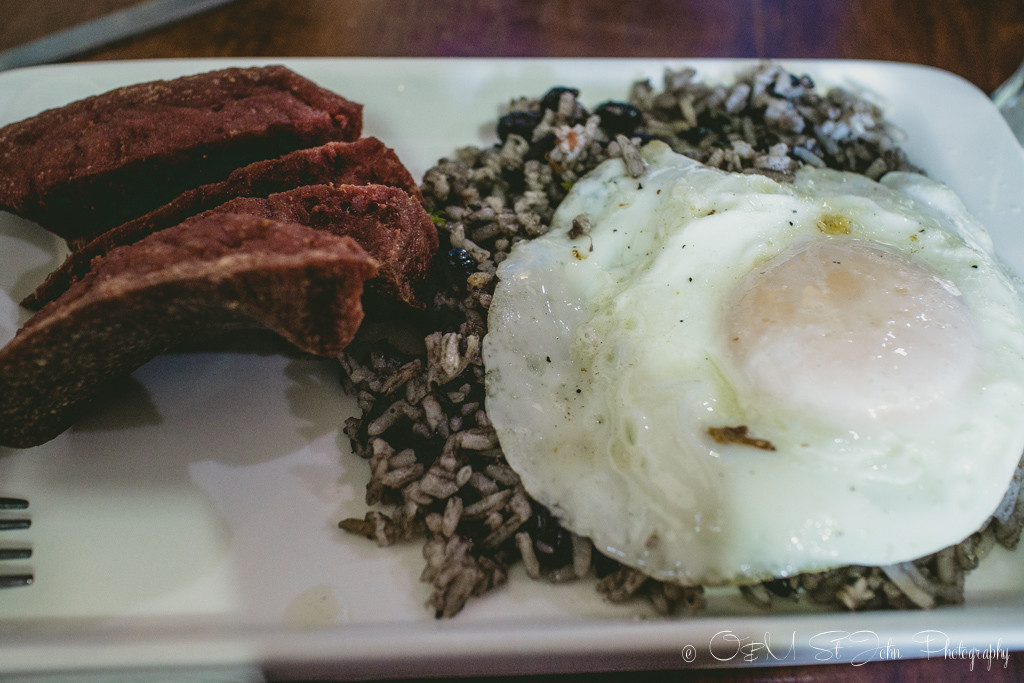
191, 520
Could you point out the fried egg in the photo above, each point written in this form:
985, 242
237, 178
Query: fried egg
721, 379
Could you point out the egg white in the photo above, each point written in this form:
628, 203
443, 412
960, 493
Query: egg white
612, 360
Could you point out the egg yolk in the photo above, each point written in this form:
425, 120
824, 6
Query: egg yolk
853, 328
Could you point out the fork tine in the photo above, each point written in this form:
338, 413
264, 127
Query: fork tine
16, 580
12, 524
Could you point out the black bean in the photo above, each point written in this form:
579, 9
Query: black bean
551, 543
540, 148
780, 587
619, 117
698, 134
603, 565
519, 123
552, 97
461, 262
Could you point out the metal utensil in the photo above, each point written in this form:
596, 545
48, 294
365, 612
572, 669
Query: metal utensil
19, 552
90, 35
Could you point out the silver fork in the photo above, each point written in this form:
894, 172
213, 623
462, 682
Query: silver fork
13, 523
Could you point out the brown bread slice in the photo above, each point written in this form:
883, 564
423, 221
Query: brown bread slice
363, 161
208, 275
90, 165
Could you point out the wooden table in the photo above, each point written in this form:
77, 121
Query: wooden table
981, 41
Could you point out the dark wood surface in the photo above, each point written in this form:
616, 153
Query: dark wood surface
981, 40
